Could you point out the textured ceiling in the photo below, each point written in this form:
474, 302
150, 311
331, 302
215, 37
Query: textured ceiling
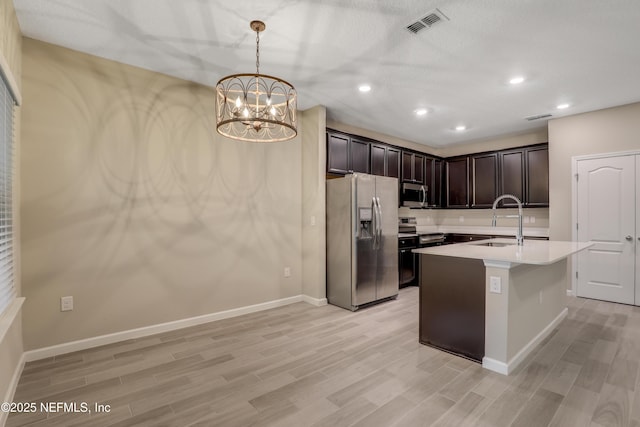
581, 52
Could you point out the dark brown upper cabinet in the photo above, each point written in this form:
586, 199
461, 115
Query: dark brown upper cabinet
524, 172
412, 167
393, 162
511, 176
385, 160
484, 179
457, 182
537, 176
433, 181
346, 154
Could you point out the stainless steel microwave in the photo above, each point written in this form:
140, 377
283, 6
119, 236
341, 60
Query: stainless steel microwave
414, 195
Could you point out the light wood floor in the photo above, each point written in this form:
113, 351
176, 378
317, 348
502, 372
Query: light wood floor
324, 366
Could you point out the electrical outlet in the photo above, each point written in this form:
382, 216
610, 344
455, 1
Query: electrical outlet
526, 220
533, 220
313, 220
287, 272
66, 303
460, 219
495, 285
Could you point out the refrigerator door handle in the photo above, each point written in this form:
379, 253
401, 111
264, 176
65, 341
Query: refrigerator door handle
379, 222
374, 222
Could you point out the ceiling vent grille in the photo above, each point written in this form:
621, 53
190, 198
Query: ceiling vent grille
427, 21
538, 117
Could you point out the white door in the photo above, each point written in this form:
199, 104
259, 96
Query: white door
637, 302
606, 216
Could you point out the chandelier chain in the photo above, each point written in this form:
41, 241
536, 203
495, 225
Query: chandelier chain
257, 52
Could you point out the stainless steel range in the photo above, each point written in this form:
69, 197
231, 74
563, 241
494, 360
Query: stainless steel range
409, 239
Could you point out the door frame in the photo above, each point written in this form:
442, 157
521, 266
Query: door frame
574, 205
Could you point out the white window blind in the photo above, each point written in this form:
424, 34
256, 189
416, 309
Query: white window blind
7, 289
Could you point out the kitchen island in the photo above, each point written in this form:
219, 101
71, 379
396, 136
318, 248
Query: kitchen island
492, 300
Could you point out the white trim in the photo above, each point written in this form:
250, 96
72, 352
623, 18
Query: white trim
495, 365
318, 302
11, 391
506, 265
13, 85
506, 368
9, 316
68, 347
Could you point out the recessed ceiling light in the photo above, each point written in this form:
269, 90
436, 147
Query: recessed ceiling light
460, 128
562, 106
516, 80
364, 88
421, 112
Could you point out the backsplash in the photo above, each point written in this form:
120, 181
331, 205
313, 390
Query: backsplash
533, 217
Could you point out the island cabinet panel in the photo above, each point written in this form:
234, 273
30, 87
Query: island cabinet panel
452, 305
457, 182
537, 176
511, 176
484, 179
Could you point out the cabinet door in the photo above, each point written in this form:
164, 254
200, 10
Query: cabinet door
436, 190
393, 162
418, 169
428, 178
537, 178
458, 182
337, 153
512, 176
484, 180
378, 157
359, 156
407, 166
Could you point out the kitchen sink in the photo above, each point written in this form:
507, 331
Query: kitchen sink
495, 244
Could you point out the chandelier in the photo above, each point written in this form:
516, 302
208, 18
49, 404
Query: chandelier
256, 107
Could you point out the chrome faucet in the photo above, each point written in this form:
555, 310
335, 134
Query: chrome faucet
519, 237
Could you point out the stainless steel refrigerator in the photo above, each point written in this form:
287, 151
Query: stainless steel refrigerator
362, 240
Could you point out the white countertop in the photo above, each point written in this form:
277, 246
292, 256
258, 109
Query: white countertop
539, 252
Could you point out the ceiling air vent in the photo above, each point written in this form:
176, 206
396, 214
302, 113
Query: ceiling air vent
427, 21
538, 117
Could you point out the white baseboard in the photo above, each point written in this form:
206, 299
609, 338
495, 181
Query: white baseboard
13, 385
511, 365
318, 302
495, 365
570, 293
68, 347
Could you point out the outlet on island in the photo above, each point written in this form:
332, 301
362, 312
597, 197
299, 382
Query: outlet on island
287, 272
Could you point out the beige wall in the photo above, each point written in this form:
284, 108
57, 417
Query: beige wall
135, 206
535, 136
11, 343
314, 158
610, 130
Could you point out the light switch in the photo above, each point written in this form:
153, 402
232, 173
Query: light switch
495, 285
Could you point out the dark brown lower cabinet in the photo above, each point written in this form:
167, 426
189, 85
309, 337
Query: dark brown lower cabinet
452, 305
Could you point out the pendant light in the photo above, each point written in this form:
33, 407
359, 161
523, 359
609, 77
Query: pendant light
256, 107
